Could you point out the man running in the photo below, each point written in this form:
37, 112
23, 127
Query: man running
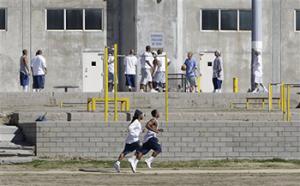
132, 140
150, 142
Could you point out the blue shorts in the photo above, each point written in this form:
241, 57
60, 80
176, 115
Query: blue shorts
24, 79
151, 144
217, 83
131, 148
38, 82
191, 81
130, 80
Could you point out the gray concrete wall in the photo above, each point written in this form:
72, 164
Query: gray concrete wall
180, 141
279, 39
62, 49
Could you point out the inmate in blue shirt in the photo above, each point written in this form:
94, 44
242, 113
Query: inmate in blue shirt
190, 67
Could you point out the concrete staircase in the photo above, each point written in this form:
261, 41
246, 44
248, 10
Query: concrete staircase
13, 147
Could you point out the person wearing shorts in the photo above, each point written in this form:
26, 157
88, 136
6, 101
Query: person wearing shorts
218, 72
39, 70
132, 143
130, 64
191, 67
160, 75
147, 66
111, 71
24, 71
151, 142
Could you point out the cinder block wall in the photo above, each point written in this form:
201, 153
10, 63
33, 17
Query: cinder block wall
180, 141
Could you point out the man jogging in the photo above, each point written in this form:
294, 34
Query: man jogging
150, 142
132, 142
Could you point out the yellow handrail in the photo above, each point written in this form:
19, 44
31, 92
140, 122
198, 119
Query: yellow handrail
106, 84
167, 90
116, 82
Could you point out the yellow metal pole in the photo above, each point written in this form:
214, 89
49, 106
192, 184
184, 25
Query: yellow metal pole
289, 103
282, 96
106, 85
199, 84
116, 82
270, 97
235, 85
167, 90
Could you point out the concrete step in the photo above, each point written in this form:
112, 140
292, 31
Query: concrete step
10, 134
5, 145
16, 152
15, 160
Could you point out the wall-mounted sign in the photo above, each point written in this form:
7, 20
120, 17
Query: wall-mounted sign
157, 40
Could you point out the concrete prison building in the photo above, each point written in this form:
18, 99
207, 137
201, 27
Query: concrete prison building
72, 32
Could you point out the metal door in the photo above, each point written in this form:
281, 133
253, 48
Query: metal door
206, 69
92, 72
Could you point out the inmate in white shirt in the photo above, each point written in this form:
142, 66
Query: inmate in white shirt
111, 64
130, 65
147, 56
162, 61
38, 64
134, 131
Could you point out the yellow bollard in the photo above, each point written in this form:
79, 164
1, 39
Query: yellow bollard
106, 84
282, 97
116, 82
235, 85
270, 97
199, 84
289, 115
167, 91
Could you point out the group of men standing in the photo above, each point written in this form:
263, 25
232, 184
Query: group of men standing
192, 71
153, 69
37, 67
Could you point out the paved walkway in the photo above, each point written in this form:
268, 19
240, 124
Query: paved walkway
154, 171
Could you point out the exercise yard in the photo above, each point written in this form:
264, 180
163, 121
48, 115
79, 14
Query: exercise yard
224, 172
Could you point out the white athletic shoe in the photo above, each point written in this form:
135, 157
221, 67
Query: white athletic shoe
117, 167
153, 91
148, 162
132, 164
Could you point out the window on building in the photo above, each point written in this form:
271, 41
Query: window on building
245, 20
74, 19
2, 19
210, 19
55, 19
297, 21
228, 19
93, 19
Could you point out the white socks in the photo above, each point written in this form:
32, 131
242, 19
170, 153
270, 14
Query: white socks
25, 88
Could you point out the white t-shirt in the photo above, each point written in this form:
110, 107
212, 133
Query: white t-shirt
150, 134
162, 61
38, 64
130, 65
134, 131
147, 56
111, 64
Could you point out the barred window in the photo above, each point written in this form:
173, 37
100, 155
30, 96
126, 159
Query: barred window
228, 20
93, 19
2, 19
210, 19
297, 17
55, 19
74, 19
245, 19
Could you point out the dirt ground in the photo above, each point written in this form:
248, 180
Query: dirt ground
148, 178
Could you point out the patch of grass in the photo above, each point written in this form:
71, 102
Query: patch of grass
47, 164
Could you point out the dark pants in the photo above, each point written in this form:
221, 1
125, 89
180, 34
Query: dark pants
217, 83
